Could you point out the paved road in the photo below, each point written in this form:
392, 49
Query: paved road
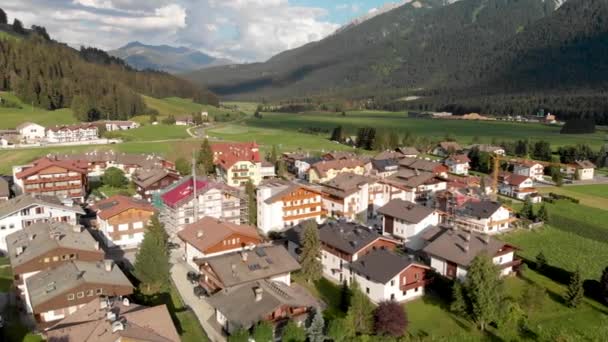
203, 311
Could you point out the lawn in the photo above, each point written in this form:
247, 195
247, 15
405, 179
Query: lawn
178, 106
152, 132
12, 117
109, 191
6, 275
461, 130
189, 328
595, 196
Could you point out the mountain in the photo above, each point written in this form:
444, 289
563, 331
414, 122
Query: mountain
166, 58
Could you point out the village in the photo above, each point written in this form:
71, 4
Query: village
243, 228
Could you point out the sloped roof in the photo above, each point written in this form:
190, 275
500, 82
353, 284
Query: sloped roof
27, 123
450, 145
422, 165
348, 237
407, 211
228, 154
27, 200
585, 164
512, 178
4, 188
388, 154
408, 151
482, 209
213, 231
185, 190
459, 158
117, 204
385, 164
147, 178
337, 164
382, 265
280, 188
345, 184
72, 127
44, 163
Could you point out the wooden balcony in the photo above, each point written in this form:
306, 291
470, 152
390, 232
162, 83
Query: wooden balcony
51, 179
514, 263
409, 286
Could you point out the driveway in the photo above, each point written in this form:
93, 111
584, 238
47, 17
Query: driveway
204, 312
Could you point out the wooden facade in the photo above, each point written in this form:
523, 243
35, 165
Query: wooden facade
129, 217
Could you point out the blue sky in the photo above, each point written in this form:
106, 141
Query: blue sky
242, 30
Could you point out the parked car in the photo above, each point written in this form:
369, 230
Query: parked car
200, 292
193, 277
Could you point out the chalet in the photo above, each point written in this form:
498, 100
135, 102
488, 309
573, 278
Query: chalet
458, 164
72, 133
25, 210
106, 319
446, 148
384, 275
122, 220
580, 170
59, 292
339, 155
238, 163
31, 132
149, 183
452, 251
517, 186
327, 170
414, 186
389, 155
190, 199
408, 151
350, 195
529, 168
184, 120
383, 168
283, 204
51, 177
341, 244
497, 150
486, 217
209, 237
112, 126
43, 246
406, 221
422, 165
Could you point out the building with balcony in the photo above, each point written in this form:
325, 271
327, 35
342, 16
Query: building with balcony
486, 217
458, 164
406, 221
72, 133
327, 170
149, 183
238, 163
52, 177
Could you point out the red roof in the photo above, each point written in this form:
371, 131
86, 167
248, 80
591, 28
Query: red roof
228, 154
459, 159
182, 191
513, 179
117, 204
44, 163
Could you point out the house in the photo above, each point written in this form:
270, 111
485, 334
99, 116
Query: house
188, 200
408, 151
407, 220
446, 148
238, 163
270, 301
327, 170
122, 220
45, 245
264, 262
184, 120
283, 204
517, 186
339, 155
529, 168
267, 170
497, 150
72, 133
341, 244
56, 293
51, 177
452, 252
5, 190
112, 126
301, 166
107, 319
415, 186
422, 165
485, 216
388, 154
383, 168
31, 132
25, 210
580, 170
384, 275
458, 164
149, 183
209, 236
348, 196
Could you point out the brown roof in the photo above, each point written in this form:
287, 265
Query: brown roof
584, 164
408, 151
452, 246
389, 155
324, 166
407, 211
339, 155
147, 178
345, 184
459, 158
513, 179
281, 188
208, 232
72, 127
422, 165
44, 163
90, 323
450, 145
382, 265
117, 204
410, 179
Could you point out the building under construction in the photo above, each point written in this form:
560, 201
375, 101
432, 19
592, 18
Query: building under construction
188, 200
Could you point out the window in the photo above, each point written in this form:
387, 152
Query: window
80, 294
11, 226
90, 293
55, 258
47, 260
39, 210
65, 257
392, 296
416, 276
72, 256
392, 283
404, 280
416, 289
99, 291
70, 296
367, 290
3, 227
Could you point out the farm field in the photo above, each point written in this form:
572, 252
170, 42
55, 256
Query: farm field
462, 131
595, 196
149, 132
12, 117
177, 106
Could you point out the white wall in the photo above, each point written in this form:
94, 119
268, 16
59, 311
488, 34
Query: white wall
283, 278
380, 292
331, 262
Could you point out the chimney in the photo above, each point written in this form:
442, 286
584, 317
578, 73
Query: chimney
258, 293
108, 264
244, 256
117, 326
126, 302
199, 234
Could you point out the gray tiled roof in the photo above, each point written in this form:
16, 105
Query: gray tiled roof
381, 265
348, 237
407, 211
4, 188
345, 184
26, 200
483, 209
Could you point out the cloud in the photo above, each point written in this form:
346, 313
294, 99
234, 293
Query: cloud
244, 30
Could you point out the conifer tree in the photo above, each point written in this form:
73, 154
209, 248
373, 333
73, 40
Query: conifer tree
3, 18
263, 332
274, 155
337, 134
152, 259
18, 26
344, 297
360, 315
527, 211
393, 140
483, 290
315, 330
205, 158
574, 292
311, 252
458, 305
541, 261
252, 208
543, 214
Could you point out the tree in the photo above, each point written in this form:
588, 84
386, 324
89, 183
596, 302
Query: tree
311, 252
390, 319
360, 315
18, 26
339, 330
393, 140
484, 290
169, 120
380, 142
274, 155
527, 211
197, 118
114, 177
152, 259
541, 261
293, 333
263, 332
252, 208
574, 292
3, 18
281, 169
315, 330
183, 166
557, 177
458, 305
204, 159
604, 285
240, 335
542, 150
543, 213
337, 134
344, 297
533, 297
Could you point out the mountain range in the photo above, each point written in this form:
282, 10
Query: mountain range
166, 58
445, 52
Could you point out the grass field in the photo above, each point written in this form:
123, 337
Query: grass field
177, 106
595, 196
152, 132
461, 130
12, 117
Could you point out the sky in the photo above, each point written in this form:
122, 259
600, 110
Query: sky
242, 30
